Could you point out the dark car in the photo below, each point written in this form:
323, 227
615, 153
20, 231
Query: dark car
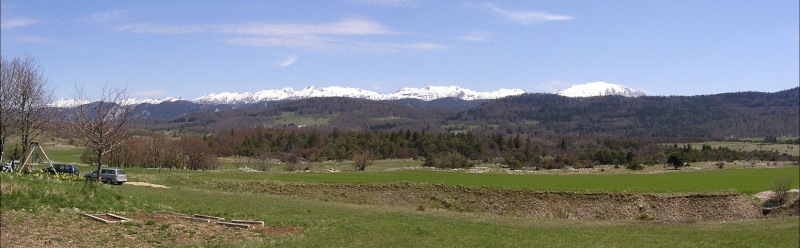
63, 168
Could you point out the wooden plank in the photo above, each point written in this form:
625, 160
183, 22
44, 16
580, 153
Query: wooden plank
249, 222
230, 224
120, 218
195, 219
100, 219
209, 217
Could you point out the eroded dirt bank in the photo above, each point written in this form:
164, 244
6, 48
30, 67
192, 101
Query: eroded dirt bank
516, 202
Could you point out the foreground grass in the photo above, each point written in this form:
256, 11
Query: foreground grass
328, 224
45, 192
343, 225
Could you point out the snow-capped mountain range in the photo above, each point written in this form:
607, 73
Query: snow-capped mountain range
599, 89
427, 93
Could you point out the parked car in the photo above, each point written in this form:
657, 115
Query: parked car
63, 168
108, 175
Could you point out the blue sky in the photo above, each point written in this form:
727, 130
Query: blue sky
189, 49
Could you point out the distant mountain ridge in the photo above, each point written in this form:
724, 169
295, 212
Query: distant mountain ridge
726, 115
428, 93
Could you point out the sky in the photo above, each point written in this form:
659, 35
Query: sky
188, 49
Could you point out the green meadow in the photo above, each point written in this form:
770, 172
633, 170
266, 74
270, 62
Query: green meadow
335, 224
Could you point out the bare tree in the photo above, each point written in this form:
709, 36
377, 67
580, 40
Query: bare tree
155, 149
7, 95
25, 98
103, 125
197, 153
363, 159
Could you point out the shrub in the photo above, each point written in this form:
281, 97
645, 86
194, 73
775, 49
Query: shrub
780, 188
448, 160
513, 164
363, 159
290, 167
634, 166
676, 159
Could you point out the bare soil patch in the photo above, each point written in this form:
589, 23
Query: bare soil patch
60, 229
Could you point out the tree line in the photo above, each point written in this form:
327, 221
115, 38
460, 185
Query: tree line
154, 150
462, 149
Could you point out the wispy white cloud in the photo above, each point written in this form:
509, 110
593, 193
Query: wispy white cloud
323, 44
527, 17
340, 35
304, 42
35, 39
16, 23
396, 47
288, 61
387, 3
108, 16
477, 36
350, 26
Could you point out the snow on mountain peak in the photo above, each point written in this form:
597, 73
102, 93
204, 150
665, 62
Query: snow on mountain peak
430, 92
599, 89
67, 103
426, 93
134, 101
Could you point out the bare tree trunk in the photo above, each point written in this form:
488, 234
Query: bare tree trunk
99, 165
103, 125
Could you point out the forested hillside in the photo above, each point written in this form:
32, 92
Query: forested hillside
532, 130
729, 115
745, 114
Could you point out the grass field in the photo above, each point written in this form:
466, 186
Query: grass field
336, 224
748, 146
288, 118
746, 181
330, 224
741, 180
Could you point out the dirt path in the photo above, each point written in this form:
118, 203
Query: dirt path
147, 184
